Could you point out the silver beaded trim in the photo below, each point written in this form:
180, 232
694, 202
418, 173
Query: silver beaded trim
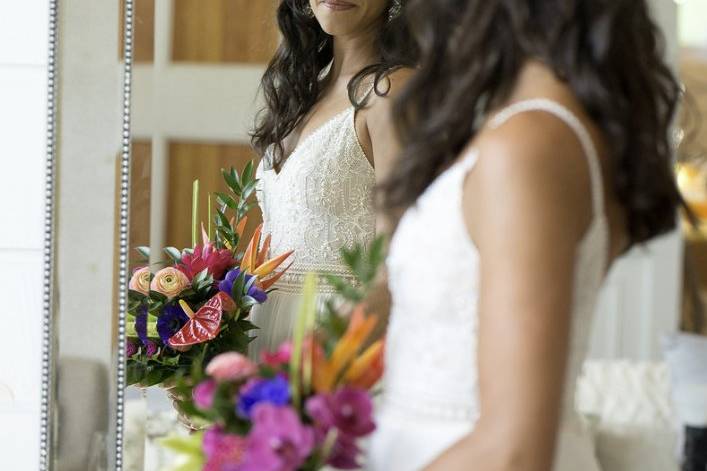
292, 282
124, 231
47, 390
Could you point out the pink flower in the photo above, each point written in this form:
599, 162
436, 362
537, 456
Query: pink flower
203, 394
140, 281
345, 453
280, 357
223, 451
278, 441
349, 412
206, 257
231, 366
169, 282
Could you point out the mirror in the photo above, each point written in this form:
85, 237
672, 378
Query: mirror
196, 72
79, 408
156, 95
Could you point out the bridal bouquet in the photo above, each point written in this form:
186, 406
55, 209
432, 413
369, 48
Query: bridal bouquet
197, 306
301, 408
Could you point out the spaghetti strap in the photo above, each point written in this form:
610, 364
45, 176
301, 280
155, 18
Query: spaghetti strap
571, 120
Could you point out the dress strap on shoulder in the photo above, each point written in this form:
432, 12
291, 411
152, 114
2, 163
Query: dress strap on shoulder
571, 120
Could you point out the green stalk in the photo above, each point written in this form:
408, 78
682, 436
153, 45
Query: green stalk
304, 317
209, 217
194, 212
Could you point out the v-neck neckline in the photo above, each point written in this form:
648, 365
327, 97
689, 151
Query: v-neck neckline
304, 140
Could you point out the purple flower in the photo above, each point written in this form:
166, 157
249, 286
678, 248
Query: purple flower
151, 349
349, 410
273, 391
345, 453
278, 440
353, 412
223, 451
203, 394
170, 322
141, 324
131, 348
254, 292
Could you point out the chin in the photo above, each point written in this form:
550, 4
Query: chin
337, 26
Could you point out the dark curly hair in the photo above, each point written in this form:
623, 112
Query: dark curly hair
292, 83
609, 52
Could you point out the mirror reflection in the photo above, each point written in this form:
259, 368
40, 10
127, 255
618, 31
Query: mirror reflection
260, 133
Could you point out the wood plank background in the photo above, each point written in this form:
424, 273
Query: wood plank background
189, 161
224, 31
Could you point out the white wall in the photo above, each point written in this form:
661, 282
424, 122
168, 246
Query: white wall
23, 71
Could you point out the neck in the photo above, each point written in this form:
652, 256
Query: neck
352, 53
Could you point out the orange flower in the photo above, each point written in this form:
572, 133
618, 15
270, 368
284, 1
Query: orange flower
367, 369
359, 329
255, 263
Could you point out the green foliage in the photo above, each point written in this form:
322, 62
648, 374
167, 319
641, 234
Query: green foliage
237, 202
364, 264
174, 254
144, 252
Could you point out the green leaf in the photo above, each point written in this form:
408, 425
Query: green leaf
246, 302
247, 176
230, 181
222, 219
174, 254
157, 297
201, 276
133, 372
248, 189
245, 325
231, 178
144, 251
238, 285
227, 200
345, 289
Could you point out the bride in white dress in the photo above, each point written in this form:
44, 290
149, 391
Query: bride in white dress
521, 189
325, 127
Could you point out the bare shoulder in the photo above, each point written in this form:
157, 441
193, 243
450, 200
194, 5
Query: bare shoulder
538, 163
390, 86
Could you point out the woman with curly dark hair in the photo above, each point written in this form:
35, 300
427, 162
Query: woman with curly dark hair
536, 151
325, 137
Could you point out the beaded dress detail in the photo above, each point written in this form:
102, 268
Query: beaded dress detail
320, 202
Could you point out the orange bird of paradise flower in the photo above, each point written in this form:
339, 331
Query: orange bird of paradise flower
254, 260
347, 364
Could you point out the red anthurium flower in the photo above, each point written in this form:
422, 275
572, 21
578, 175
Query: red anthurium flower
204, 324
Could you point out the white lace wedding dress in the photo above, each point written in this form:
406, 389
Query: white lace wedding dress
430, 397
319, 202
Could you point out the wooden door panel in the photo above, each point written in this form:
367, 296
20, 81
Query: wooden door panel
189, 161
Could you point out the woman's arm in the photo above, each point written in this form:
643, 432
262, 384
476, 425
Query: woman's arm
384, 147
526, 204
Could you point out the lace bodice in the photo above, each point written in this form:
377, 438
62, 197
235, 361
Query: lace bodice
320, 201
431, 367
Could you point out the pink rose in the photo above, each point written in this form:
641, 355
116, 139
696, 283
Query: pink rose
231, 366
170, 282
140, 281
